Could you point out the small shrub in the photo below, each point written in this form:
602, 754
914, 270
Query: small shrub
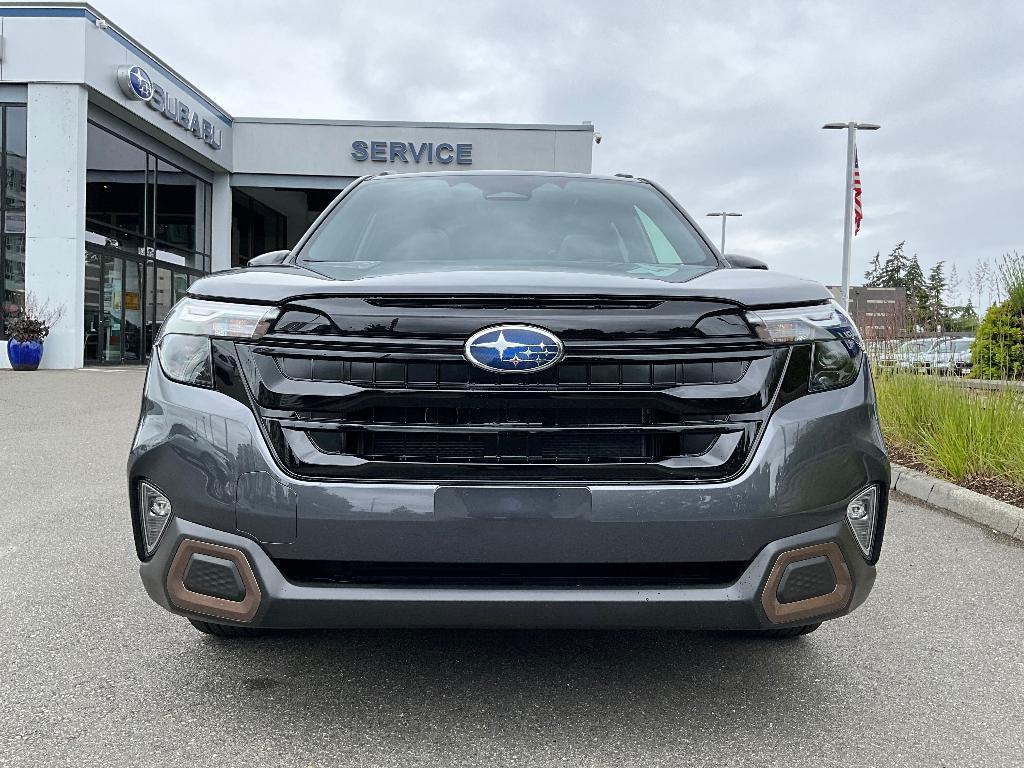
998, 349
35, 321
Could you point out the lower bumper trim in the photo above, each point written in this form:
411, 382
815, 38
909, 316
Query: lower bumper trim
208, 605
274, 601
836, 600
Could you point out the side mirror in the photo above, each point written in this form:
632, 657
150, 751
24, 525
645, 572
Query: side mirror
268, 259
744, 262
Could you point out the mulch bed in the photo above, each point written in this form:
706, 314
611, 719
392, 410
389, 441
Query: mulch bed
995, 487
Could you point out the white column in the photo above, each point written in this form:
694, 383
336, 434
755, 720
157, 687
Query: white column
221, 252
55, 216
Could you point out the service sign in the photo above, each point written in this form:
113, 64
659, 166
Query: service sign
137, 85
442, 153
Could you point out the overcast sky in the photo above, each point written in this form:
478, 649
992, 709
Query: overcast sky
722, 102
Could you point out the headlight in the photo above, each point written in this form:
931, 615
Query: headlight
183, 347
837, 350
790, 325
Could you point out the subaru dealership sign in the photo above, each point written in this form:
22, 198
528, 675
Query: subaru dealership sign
137, 85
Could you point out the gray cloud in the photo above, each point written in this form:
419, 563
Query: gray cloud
722, 102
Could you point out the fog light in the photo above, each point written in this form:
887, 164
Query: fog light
861, 514
155, 511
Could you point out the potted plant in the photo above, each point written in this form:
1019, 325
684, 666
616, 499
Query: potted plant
26, 331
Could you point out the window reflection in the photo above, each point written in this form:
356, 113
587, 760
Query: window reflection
13, 153
255, 228
179, 205
115, 183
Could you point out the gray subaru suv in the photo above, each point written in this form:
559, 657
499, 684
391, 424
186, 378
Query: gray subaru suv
507, 399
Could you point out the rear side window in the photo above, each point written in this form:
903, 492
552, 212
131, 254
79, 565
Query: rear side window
507, 221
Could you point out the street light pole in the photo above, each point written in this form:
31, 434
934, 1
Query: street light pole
724, 215
851, 150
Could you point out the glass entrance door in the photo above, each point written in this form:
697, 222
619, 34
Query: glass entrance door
113, 309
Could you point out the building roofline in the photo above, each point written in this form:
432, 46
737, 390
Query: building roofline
414, 124
73, 8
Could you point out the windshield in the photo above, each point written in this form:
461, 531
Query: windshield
506, 222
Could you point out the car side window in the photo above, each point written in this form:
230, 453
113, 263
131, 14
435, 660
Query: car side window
664, 253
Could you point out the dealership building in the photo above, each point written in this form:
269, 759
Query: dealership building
125, 183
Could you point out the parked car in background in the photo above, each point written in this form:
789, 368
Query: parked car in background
904, 355
949, 356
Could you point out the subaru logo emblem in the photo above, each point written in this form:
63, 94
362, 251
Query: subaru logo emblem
514, 349
135, 83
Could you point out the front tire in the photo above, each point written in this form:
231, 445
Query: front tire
224, 630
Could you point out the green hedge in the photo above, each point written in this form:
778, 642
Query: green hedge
998, 349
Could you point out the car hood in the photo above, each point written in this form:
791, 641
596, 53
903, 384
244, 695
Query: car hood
745, 287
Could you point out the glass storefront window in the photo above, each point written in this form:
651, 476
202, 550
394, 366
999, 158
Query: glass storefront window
115, 184
147, 238
255, 228
178, 199
13, 155
133, 312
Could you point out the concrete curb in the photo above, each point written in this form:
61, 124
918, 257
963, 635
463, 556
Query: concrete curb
992, 513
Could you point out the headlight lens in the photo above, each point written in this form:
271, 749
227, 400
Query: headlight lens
217, 318
837, 350
184, 344
791, 325
186, 359
835, 364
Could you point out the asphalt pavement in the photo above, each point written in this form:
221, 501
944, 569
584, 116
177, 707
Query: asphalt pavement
929, 672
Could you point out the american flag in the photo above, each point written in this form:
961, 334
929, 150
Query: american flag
858, 211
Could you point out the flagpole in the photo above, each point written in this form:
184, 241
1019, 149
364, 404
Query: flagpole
851, 149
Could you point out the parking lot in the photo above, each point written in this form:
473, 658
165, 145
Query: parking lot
930, 672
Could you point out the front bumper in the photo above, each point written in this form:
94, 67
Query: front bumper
283, 604
206, 452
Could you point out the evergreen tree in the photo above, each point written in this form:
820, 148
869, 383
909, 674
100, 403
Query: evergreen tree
968, 317
917, 292
893, 274
936, 290
953, 287
874, 273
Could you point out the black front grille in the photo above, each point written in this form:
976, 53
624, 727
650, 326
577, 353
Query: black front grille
510, 447
332, 572
446, 375
615, 409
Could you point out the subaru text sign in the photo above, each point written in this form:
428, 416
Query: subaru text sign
137, 85
412, 152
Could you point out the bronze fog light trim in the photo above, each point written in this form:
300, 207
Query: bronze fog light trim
837, 599
188, 600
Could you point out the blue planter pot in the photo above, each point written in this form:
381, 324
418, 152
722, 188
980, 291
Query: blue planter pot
24, 355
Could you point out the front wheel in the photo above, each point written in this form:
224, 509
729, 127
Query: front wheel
786, 632
224, 630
